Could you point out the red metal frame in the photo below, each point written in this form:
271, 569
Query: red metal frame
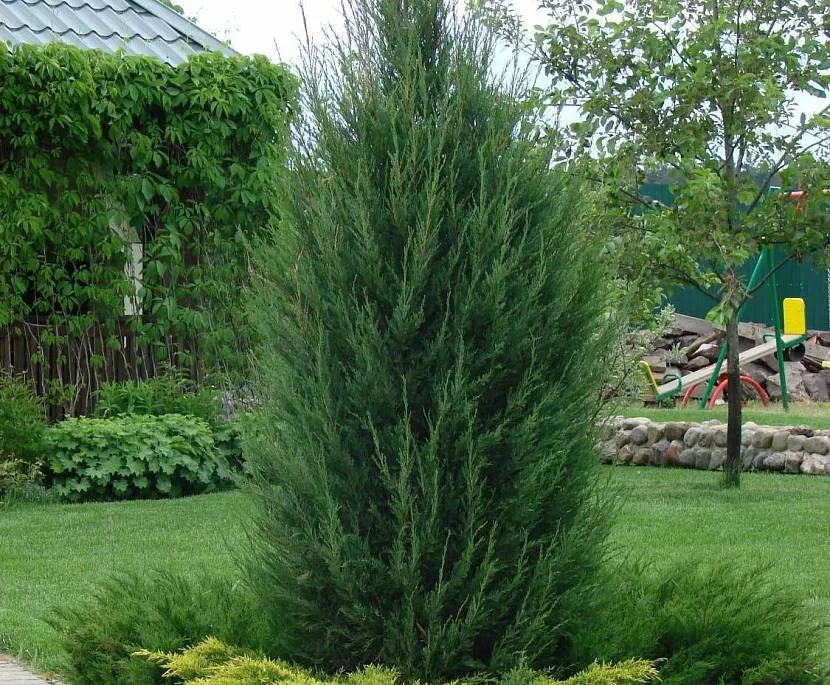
721, 386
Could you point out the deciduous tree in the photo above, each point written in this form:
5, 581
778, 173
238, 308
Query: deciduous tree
720, 92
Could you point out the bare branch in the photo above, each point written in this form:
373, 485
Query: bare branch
751, 291
786, 155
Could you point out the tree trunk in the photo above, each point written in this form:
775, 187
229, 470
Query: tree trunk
732, 468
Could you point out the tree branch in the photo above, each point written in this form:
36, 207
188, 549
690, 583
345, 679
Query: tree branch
673, 45
785, 156
685, 279
751, 291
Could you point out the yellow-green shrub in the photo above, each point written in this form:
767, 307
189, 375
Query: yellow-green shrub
18, 478
631, 671
212, 662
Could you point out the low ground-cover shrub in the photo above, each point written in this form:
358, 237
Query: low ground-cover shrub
134, 456
213, 662
718, 625
22, 420
159, 611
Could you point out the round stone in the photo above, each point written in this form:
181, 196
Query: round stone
816, 445
638, 436
795, 443
779, 441
692, 436
655, 433
762, 439
676, 430
687, 458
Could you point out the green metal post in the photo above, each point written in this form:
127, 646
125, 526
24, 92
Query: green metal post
779, 344
715, 373
753, 279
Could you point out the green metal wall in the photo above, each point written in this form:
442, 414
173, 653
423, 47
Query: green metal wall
804, 279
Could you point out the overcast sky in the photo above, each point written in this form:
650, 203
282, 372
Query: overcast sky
271, 27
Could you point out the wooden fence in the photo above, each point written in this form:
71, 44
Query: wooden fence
67, 370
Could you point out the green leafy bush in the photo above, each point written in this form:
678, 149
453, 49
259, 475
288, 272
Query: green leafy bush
20, 480
158, 611
227, 437
721, 625
212, 662
171, 392
22, 420
134, 456
195, 155
433, 320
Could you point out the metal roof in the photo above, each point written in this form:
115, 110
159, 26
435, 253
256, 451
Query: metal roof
140, 27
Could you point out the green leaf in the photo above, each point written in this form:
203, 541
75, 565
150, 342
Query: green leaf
147, 189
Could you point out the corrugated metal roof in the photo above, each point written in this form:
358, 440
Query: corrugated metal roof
140, 27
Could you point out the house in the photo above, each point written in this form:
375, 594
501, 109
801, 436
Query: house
138, 27
137, 153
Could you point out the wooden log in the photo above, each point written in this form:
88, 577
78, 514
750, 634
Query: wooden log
689, 350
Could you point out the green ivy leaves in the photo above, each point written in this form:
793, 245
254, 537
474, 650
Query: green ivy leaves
90, 140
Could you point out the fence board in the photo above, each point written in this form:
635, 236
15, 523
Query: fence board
64, 371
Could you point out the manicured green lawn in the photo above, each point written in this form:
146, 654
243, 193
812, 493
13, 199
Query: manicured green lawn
51, 553
816, 415
676, 515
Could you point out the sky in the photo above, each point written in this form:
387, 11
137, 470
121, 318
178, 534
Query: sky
273, 27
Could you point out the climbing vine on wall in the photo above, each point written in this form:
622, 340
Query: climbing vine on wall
101, 153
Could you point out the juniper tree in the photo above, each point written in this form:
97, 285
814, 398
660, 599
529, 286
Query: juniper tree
434, 322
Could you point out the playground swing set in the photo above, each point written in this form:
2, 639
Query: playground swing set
786, 342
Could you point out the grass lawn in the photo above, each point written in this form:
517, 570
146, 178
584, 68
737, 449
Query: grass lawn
52, 553
816, 415
675, 515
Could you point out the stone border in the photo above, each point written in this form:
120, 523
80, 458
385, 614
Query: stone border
643, 442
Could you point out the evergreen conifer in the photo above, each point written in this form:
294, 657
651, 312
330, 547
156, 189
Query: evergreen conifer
434, 321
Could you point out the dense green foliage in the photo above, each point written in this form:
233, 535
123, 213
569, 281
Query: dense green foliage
720, 623
171, 392
22, 420
213, 662
134, 457
20, 480
101, 151
22, 425
157, 611
227, 439
432, 318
